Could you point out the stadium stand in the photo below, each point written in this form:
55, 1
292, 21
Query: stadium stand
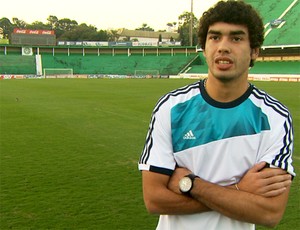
119, 64
278, 67
279, 55
114, 61
17, 64
286, 32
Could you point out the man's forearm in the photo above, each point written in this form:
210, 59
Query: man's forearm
240, 205
159, 199
173, 204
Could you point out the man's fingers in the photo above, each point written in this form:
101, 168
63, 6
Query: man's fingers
275, 173
276, 188
273, 193
258, 167
278, 185
279, 178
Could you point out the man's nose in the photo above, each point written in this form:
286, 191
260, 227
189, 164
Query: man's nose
224, 46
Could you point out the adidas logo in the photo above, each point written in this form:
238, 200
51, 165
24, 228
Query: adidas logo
189, 136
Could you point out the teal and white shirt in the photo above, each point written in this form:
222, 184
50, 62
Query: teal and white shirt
218, 142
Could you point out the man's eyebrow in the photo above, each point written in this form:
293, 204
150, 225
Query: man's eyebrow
214, 32
235, 32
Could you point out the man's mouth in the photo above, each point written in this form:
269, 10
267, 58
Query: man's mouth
223, 63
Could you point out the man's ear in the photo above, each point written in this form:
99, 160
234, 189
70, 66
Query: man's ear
254, 53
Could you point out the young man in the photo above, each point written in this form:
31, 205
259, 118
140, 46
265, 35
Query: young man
218, 152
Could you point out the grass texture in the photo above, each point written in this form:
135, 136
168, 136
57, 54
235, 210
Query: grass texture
69, 150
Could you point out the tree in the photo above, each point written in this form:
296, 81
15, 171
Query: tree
52, 22
64, 25
113, 35
184, 27
7, 27
102, 35
145, 27
68, 29
171, 26
19, 23
80, 33
38, 26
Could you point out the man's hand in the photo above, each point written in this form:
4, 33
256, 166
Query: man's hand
173, 184
267, 182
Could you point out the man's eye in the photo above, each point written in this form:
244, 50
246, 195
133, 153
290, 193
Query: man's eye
214, 37
237, 39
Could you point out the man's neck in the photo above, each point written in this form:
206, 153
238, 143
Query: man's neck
225, 91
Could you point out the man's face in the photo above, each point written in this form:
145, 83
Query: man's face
227, 51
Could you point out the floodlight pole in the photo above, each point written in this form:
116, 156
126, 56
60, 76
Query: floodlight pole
191, 24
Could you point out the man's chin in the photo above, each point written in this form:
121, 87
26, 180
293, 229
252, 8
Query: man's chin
225, 77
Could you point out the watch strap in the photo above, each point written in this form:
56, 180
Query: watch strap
192, 176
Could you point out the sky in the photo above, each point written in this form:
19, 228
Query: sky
105, 14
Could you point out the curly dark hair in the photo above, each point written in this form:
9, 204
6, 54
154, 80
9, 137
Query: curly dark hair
233, 12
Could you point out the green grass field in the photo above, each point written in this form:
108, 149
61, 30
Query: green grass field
69, 151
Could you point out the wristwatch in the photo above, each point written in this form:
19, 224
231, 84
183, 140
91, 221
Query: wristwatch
186, 183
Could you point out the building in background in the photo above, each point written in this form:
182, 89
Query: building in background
147, 36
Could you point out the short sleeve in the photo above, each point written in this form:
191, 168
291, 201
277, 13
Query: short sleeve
280, 149
157, 154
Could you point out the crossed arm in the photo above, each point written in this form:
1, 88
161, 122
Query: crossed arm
261, 199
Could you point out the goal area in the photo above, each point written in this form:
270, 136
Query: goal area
58, 73
152, 73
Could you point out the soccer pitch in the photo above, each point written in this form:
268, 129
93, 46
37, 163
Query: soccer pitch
69, 150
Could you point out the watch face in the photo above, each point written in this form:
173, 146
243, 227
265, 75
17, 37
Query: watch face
185, 184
